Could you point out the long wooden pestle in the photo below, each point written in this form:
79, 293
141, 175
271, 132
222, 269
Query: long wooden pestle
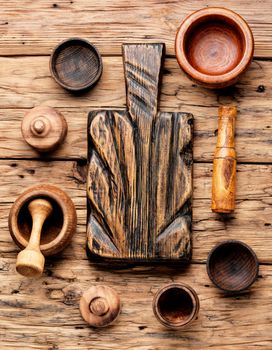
30, 261
224, 163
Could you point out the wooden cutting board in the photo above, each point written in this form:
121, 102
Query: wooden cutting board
139, 182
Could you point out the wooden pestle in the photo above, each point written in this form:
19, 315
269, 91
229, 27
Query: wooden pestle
224, 163
30, 261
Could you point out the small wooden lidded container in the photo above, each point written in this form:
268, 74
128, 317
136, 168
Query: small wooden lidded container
44, 128
232, 266
176, 305
214, 46
76, 65
42, 222
100, 306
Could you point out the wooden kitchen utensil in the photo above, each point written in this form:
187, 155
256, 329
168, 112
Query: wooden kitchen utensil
214, 46
232, 266
42, 221
76, 64
224, 163
139, 181
44, 128
100, 306
176, 305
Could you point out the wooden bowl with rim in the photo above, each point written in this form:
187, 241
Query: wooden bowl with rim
176, 305
214, 47
232, 266
76, 64
58, 229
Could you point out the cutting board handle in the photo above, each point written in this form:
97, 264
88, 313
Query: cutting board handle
142, 67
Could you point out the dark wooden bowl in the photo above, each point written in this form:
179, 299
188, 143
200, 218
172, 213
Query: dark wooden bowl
58, 228
176, 305
76, 64
214, 46
232, 266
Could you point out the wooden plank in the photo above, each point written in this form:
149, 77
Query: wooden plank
251, 221
35, 27
32, 85
44, 313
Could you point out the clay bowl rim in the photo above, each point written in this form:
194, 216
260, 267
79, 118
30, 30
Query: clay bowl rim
241, 244
220, 79
63, 45
195, 301
53, 193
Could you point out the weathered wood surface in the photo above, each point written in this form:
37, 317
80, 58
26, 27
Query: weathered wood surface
251, 221
44, 314
32, 85
139, 180
35, 27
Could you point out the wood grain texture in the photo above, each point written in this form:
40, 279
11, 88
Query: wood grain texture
139, 181
23, 31
223, 322
31, 85
224, 162
76, 65
232, 266
45, 314
252, 216
214, 46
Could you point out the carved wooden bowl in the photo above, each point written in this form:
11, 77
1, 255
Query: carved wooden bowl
58, 229
176, 305
76, 64
232, 266
214, 46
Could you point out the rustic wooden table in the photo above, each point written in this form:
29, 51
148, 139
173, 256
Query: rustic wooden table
44, 313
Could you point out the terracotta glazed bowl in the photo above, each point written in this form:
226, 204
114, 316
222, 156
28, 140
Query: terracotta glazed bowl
214, 46
176, 305
76, 65
232, 266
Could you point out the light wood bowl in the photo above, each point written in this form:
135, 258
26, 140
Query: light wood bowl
232, 266
58, 229
214, 46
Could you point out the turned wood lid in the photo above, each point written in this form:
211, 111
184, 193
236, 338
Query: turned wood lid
58, 229
100, 306
44, 128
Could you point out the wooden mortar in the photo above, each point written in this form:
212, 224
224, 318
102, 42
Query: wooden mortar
214, 47
42, 221
176, 305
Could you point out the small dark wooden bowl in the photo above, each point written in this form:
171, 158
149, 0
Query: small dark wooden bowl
58, 229
214, 46
232, 266
176, 305
76, 64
